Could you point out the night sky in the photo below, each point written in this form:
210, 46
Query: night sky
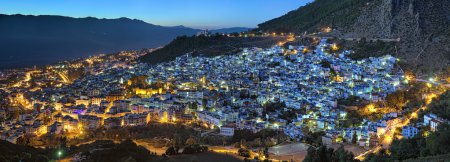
192, 13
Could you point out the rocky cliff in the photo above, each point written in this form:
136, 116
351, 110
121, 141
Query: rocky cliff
423, 26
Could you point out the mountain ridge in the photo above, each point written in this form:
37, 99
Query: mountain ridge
29, 40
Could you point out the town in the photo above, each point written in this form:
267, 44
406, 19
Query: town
299, 91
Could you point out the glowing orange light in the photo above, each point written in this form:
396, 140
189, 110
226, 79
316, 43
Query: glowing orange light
414, 115
371, 108
305, 50
327, 29
334, 47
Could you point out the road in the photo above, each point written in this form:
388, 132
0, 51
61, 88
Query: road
388, 136
433, 82
26, 79
64, 77
354, 39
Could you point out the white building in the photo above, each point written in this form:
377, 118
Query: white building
227, 130
409, 131
136, 119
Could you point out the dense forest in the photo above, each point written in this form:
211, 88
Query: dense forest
364, 49
441, 106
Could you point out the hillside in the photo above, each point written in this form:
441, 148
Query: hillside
38, 40
422, 26
315, 16
206, 46
438, 158
12, 152
99, 151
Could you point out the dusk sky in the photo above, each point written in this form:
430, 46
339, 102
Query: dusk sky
192, 13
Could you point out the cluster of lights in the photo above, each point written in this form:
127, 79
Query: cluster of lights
371, 108
305, 50
334, 47
327, 29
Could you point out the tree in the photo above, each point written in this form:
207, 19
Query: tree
354, 138
325, 64
273, 106
243, 143
204, 103
63, 142
404, 149
353, 118
324, 154
193, 106
437, 143
441, 106
342, 155
266, 152
171, 151
397, 99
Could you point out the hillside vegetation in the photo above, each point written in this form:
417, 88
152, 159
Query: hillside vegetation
438, 158
320, 12
206, 46
11, 152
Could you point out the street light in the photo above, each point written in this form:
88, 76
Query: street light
59, 154
431, 79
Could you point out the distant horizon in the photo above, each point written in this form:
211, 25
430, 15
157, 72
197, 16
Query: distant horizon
193, 27
199, 14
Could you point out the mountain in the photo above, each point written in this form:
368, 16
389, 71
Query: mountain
38, 40
423, 26
316, 15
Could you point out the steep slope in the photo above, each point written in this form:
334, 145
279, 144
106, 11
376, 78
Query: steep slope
316, 15
423, 26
